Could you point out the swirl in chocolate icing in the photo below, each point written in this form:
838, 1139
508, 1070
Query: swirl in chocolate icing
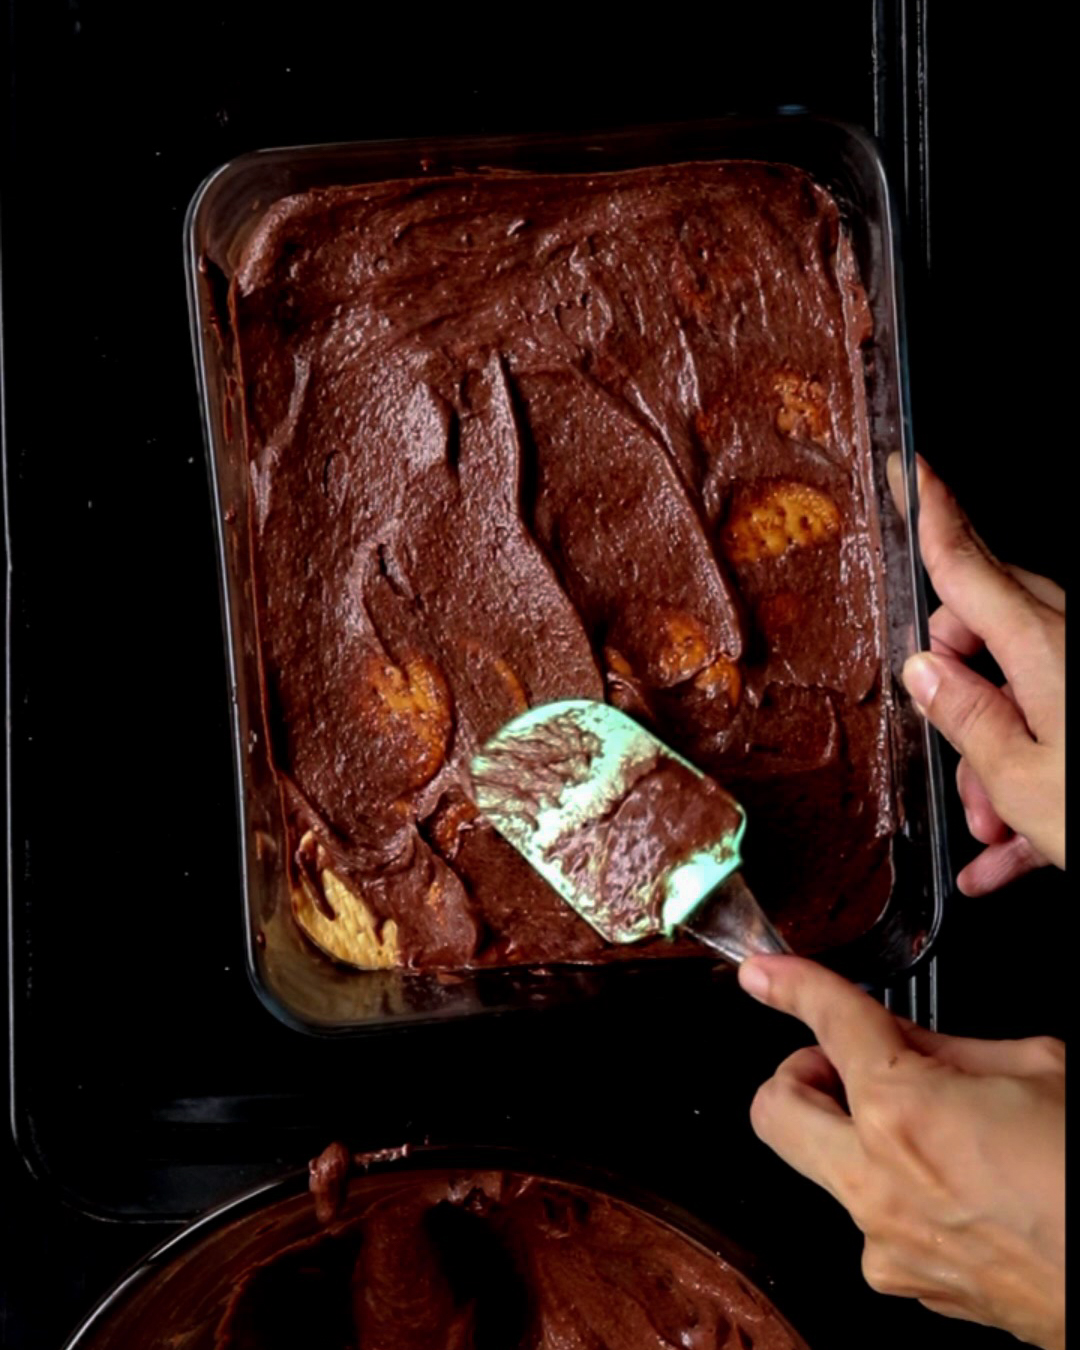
517, 438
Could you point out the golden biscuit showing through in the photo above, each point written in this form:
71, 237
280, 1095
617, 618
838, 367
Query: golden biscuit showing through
688, 287
804, 411
723, 677
452, 818
683, 648
410, 708
624, 689
353, 935
510, 683
715, 423
514, 687
774, 516
617, 663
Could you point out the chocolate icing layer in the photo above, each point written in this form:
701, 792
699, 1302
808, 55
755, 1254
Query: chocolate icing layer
519, 438
494, 1261
667, 815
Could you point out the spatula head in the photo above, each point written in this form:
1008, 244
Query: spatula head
629, 833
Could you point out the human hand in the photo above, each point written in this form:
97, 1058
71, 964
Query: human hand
949, 1154
1011, 776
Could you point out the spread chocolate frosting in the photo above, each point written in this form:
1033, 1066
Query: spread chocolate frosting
494, 1261
517, 438
666, 816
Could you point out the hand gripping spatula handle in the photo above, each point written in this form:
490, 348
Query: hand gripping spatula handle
635, 838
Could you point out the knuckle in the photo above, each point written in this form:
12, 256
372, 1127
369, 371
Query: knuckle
869, 1193
880, 1271
890, 1116
856, 1192
826, 1019
1039, 631
968, 786
1027, 855
969, 711
964, 544
1047, 1053
1016, 792
761, 1108
941, 507
1042, 587
882, 1118
795, 1062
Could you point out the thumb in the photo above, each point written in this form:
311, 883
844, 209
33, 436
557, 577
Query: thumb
973, 715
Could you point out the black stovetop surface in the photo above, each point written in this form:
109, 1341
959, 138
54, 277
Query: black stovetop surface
121, 802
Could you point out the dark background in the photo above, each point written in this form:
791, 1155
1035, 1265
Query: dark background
150, 1080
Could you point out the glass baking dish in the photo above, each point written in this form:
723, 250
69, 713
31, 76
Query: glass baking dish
186, 1283
298, 983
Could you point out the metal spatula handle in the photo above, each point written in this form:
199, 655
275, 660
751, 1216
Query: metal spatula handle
732, 923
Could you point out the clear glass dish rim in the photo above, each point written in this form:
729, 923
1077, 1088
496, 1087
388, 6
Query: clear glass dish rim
623, 136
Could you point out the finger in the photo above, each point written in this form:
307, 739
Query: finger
982, 593
806, 1128
1042, 588
949, 635
1018, 1058
998, 865
974, 716
894, 472
888, 1269
952, 636
811, 1068
961, 1308
982, 819
856, 1033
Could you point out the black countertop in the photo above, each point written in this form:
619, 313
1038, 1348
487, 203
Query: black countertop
122, 802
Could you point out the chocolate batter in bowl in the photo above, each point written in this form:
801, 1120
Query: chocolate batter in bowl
475, 1252
486, 437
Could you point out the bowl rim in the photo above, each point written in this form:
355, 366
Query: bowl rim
415, 1160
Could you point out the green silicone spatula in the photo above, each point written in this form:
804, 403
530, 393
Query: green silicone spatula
631, 835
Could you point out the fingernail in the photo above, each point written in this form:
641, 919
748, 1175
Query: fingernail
922, 675
754, 980
894, 473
